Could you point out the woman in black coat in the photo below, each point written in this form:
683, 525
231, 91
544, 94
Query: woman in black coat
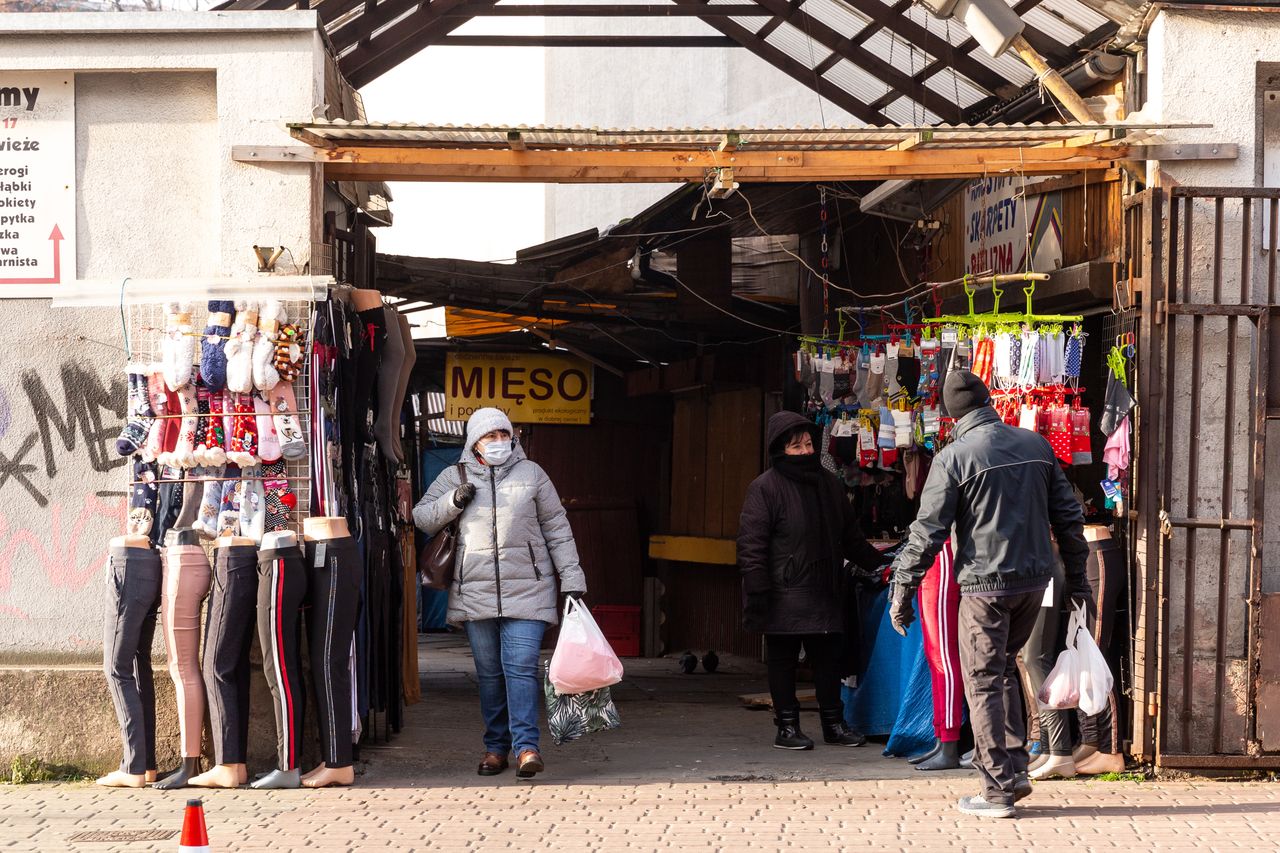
797, 530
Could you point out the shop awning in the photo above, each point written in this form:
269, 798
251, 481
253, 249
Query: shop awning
365, 151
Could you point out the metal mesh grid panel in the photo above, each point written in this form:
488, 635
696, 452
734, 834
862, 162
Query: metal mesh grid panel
146, 324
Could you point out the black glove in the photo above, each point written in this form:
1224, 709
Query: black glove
901, 610
872, 579
1082, 598
464, 494
756, 612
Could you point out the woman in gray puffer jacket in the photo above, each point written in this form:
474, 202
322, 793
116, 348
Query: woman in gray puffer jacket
514, 542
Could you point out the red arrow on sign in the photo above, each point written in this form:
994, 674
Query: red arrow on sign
56, 278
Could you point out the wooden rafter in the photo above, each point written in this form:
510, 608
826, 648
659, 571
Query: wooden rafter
372, 58
631, 10
581, 41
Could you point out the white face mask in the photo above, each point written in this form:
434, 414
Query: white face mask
495, 452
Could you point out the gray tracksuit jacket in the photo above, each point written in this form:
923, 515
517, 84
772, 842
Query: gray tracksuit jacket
514, 541
1003, 490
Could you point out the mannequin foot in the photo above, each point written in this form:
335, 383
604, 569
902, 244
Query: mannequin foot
221, 776
966, 760
330, 776
242, 772
1058, 766
279, 779
1101, 762
152, 775
946, 758
120, 779
1083, 751
927, 754
180, 777
1037, 761
319, 768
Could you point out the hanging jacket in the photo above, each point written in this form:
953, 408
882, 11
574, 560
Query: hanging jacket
514, 541
806, 591
1003, 490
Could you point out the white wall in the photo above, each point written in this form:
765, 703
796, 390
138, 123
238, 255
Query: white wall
662, 87
160, 99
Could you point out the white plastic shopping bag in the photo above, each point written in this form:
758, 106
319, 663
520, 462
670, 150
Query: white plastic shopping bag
583, 660
1096, 680
1061, 687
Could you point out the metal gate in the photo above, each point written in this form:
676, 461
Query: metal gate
1207, 640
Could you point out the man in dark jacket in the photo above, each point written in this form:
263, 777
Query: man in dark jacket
1002, 489
796, 531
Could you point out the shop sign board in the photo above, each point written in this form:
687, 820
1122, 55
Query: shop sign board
37, 182
998, 216
529, 388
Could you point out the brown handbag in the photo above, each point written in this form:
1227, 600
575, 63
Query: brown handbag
436, 559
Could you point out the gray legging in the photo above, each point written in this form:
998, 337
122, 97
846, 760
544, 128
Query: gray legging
1048, 638
129, 626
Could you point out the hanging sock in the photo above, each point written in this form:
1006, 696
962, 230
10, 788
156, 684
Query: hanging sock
902, 429
210, 502
268, 440
1074, 357
984, 359
242, 445
183, 455
229, 503
213, 354
154, 445
141, 417
293, 441
1028, 370
875, 379
253, 504
280, 499
178, 347
239, 348
288, 357
887, 440
143, 496
213, 447
1081, 446
265, 374
827, 382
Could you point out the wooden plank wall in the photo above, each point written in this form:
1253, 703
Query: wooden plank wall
715, 454
1091, 230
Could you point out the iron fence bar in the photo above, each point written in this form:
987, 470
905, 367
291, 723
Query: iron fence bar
1204, 309
1246, 252
1275, 249
1210, 523
1226, 192
1257, 500
1166, 545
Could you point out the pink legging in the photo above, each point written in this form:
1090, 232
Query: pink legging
186, 583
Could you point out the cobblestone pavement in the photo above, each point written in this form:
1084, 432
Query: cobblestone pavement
689, 769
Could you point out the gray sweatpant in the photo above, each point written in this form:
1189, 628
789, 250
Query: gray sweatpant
992, 632
129, 626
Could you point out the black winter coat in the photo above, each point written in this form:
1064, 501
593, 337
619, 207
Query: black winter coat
807, 592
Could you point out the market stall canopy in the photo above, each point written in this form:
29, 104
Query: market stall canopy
362, 151
882, 61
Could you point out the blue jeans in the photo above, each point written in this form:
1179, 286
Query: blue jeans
506, 657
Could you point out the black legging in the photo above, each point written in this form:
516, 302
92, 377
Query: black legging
1106, 577
282, 587
823, 652
233, 597
133, 597
333, 599
1048, 638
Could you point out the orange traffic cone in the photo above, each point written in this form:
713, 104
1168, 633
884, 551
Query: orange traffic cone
194, 837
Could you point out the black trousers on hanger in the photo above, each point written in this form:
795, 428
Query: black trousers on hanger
129, 626
233, 598
1106, 571
282, 588
333, 599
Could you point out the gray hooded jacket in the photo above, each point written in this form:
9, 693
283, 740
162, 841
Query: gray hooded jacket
514, 540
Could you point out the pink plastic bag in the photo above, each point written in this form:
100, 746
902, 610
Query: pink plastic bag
583, 660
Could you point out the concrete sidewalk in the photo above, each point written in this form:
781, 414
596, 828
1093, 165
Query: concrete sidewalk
688, 769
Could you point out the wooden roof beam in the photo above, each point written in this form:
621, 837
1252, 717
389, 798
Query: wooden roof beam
375, 57
635, 10
580, 41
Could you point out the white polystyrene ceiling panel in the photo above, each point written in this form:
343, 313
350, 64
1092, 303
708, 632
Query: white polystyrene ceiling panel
862, 85
796, 44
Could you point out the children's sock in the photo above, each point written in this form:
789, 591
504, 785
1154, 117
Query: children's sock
875, 379
142, 498
210, 502
192, 487
288, 358
202, 423
141, 417
268, 441
154, 445
265, 375
293, 442
178, 348
242, 444
253, 509
240, 348
281, 501
901, 429
170, 427
213, 347
229, 503
183, 455
214, 443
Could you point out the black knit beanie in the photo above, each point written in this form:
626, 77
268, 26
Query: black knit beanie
964, 392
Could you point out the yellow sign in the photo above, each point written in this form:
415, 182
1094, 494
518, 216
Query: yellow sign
530, 389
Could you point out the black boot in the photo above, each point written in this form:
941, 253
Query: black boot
927, 754
946, 758
789, 734
836, 731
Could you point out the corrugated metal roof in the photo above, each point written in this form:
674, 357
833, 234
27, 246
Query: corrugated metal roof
853, 79
339, 132
797, 45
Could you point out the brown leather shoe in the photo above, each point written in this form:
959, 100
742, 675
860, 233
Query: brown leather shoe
492, 764
530, 764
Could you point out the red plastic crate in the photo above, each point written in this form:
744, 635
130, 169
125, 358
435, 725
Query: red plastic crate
621, 627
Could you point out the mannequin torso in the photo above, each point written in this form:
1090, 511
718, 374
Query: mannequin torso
325, 527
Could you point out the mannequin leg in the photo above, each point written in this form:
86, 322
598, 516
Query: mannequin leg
134, 580
282, 587
187, 577
229, 633
334, 596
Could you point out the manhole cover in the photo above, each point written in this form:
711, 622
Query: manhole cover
125, 835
